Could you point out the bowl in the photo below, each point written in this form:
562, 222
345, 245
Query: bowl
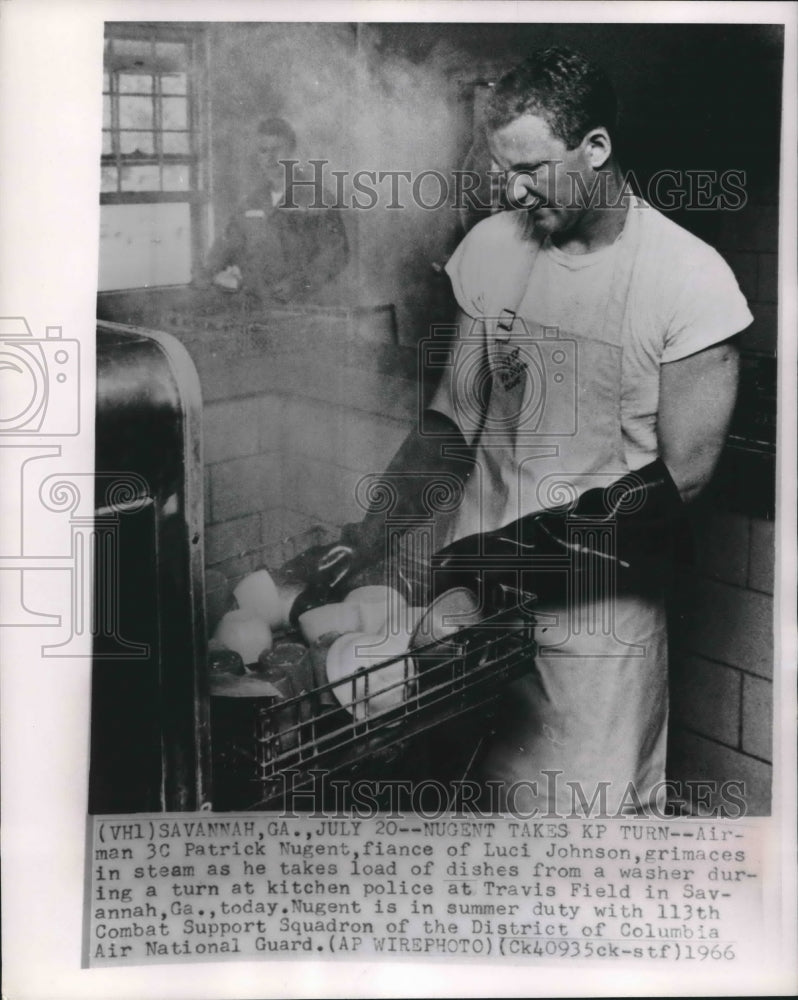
294, 659
222, 660
244, 632
380, 608
380, 690
329, 618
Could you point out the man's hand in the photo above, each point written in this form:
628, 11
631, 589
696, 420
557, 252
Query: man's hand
696, 399
229, 279
625, 525
322, 570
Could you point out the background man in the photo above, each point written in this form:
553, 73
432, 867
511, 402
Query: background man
273, 253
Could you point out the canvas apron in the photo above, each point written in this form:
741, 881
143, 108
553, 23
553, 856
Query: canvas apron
594, 708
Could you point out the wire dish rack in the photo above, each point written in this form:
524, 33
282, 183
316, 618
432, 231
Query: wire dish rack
358, 728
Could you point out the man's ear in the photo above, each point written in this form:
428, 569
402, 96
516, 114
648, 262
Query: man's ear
597, 147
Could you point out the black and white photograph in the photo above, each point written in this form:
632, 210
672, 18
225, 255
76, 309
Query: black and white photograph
386, 379
431, 566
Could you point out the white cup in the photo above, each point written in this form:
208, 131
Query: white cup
244, 632
257, 593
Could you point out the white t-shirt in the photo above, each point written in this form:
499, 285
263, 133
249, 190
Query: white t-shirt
683, 298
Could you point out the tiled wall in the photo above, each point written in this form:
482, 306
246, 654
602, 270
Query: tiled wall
279, 461
748, 239
721, 631
722, 607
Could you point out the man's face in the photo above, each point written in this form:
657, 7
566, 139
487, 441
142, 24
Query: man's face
271, 150
542, 173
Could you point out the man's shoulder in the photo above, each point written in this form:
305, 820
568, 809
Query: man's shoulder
487, 268
676, 263
506, 228
664, 237
687, 286
491, 244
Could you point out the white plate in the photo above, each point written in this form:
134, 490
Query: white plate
451, 611
381, 689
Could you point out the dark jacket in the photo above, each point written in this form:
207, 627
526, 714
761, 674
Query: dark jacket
304, 246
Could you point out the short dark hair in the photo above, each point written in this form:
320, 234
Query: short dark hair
560, 85
277, 126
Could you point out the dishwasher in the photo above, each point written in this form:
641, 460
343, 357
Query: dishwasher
315, 747
160, 739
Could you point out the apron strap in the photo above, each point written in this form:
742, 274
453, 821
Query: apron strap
507, 293
507, 290
623, 271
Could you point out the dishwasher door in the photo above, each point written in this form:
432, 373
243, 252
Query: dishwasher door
150, 744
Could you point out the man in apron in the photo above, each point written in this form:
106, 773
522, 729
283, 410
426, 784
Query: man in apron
591, 385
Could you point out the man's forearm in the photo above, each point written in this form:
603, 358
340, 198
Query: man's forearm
440, 455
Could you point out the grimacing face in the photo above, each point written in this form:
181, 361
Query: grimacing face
543, 176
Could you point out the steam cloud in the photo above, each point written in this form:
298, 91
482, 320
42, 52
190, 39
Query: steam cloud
357, 104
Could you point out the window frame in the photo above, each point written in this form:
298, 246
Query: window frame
197, 194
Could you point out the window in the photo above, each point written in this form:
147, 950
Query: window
152, 196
